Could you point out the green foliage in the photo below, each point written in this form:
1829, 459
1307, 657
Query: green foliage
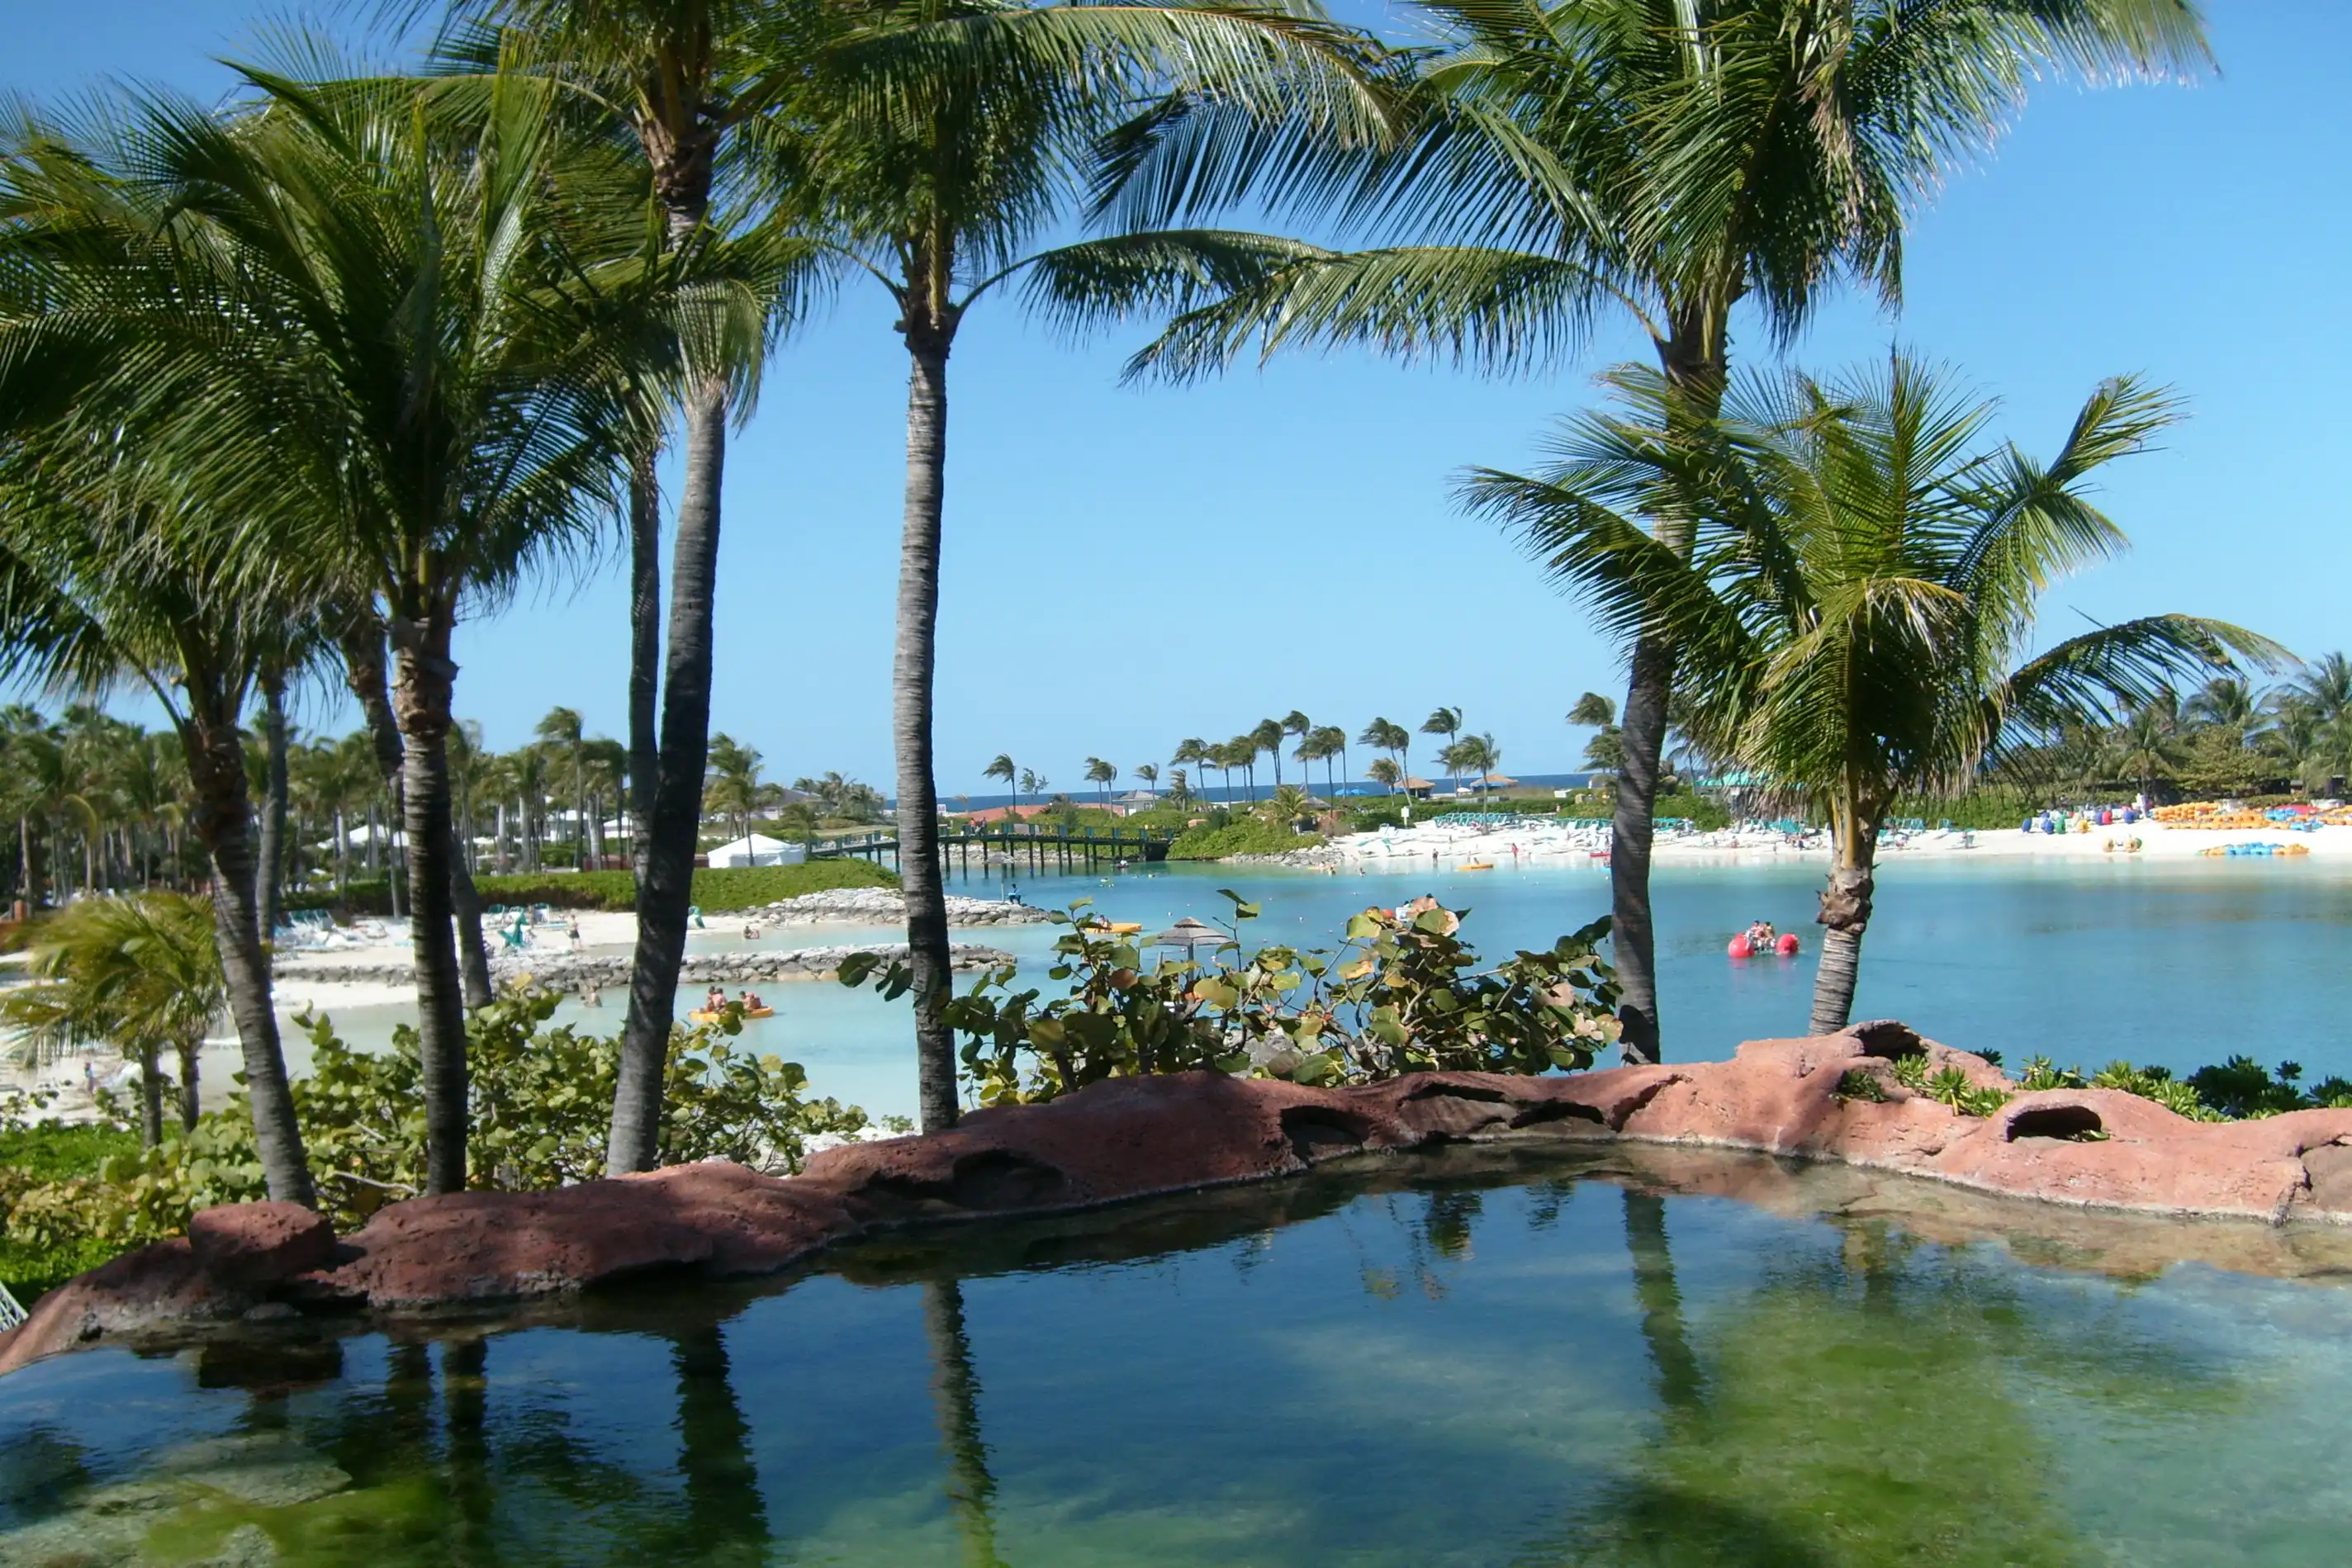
1403, 994
1948, 1084
1242, 836
539, 1104
718, 890
36, 1154
1859, 1083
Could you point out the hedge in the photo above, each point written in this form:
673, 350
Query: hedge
1245, 836
717, 890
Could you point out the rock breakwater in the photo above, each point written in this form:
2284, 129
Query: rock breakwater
571, 971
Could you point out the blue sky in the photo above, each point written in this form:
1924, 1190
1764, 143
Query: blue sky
1126, 566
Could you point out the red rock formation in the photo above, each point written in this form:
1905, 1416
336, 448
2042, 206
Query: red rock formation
1134, 1137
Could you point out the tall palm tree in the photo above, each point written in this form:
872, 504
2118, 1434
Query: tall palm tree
419, 369
1385, 772
1191, 752
1297, 726
1101, 774
565, 734
1670, 160
1149, 773
1860, 593
1331, 741
939, 190
2225, 702
679, 77
142, 973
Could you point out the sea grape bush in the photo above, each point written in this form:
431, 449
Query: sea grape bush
1403, 993
540, 1101
2238, 1089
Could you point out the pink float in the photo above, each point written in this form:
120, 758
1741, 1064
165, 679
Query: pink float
1786, 944
1740, 947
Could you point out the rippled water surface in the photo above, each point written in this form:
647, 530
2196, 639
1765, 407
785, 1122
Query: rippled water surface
1516, 1367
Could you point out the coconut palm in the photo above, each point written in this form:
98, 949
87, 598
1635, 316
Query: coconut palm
433, 384
142, 974
2225, 702
2325, 686
1297, 726
1569, 159
1330, 741
1386, 734
1149, 773
939, 190
1445, 723
1003, 768
1861, 591
1101, 774
1267, 736
1384, 772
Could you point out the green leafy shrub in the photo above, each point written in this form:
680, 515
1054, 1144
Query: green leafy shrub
1859, 1083
539, 1102
1242, 836
1403, 994
718, 890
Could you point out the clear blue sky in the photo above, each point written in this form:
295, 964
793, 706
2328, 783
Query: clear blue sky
1128, 566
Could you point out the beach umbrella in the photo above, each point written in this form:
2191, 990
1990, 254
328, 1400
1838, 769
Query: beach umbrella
1189, 934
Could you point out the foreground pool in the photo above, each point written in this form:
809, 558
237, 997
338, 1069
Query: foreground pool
1487, 1363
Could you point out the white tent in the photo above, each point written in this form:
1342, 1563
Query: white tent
759, 850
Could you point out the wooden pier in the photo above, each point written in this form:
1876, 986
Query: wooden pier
1036, 845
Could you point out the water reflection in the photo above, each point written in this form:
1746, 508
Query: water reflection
1590, 1374
955, 1391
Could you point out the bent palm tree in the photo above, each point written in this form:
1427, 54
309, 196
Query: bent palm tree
1860, 591
1571, 159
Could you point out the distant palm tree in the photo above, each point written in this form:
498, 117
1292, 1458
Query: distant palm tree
2225, 702
1268, 738
1859, 591
1035, 784
1101, 774
1605, 752
1387, 734
2326, 684
1191, 752
1297, 726
142, 973
1180, 787
1150, 774
1446, 722
1003, 768
1385, 772
1287, 805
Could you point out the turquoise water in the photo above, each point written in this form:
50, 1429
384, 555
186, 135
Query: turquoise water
1518, 1367
2177, 964
2172, 963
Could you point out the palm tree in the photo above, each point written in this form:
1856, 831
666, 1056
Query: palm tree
1575, 158
938, 191
1242, 752
2225, 702
1101, 774
735, 791
1297, 726
2325, 684
565, 734
1386, 734
1446, 722
1150, 774
2148, 742
1331, 741
142, 973
434, 390
1003, 768
1478, 754
1192, 752
1266, 737
1860, 591
1386, 773
1605, 752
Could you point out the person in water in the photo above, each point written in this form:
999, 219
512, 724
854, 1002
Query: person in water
715, 1000
1759, 934
752, 1002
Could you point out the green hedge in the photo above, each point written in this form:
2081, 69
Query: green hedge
717, 890
1248, 836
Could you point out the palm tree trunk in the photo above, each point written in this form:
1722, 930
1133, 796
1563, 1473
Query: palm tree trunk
666, 886
190, 1108
1845, 915
342, 851
151, 1097
725, 1519
215, 753
272, 877
644, 649
1692, 359
363, 670
1632, 936
423, 678
910, 709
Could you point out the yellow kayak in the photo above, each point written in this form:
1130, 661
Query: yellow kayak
1125, 927
1476, 865
704, 1015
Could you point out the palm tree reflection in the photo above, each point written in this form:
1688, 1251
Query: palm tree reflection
726, 1516
955, 1393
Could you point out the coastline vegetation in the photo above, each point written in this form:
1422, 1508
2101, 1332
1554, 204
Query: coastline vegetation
718, 890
